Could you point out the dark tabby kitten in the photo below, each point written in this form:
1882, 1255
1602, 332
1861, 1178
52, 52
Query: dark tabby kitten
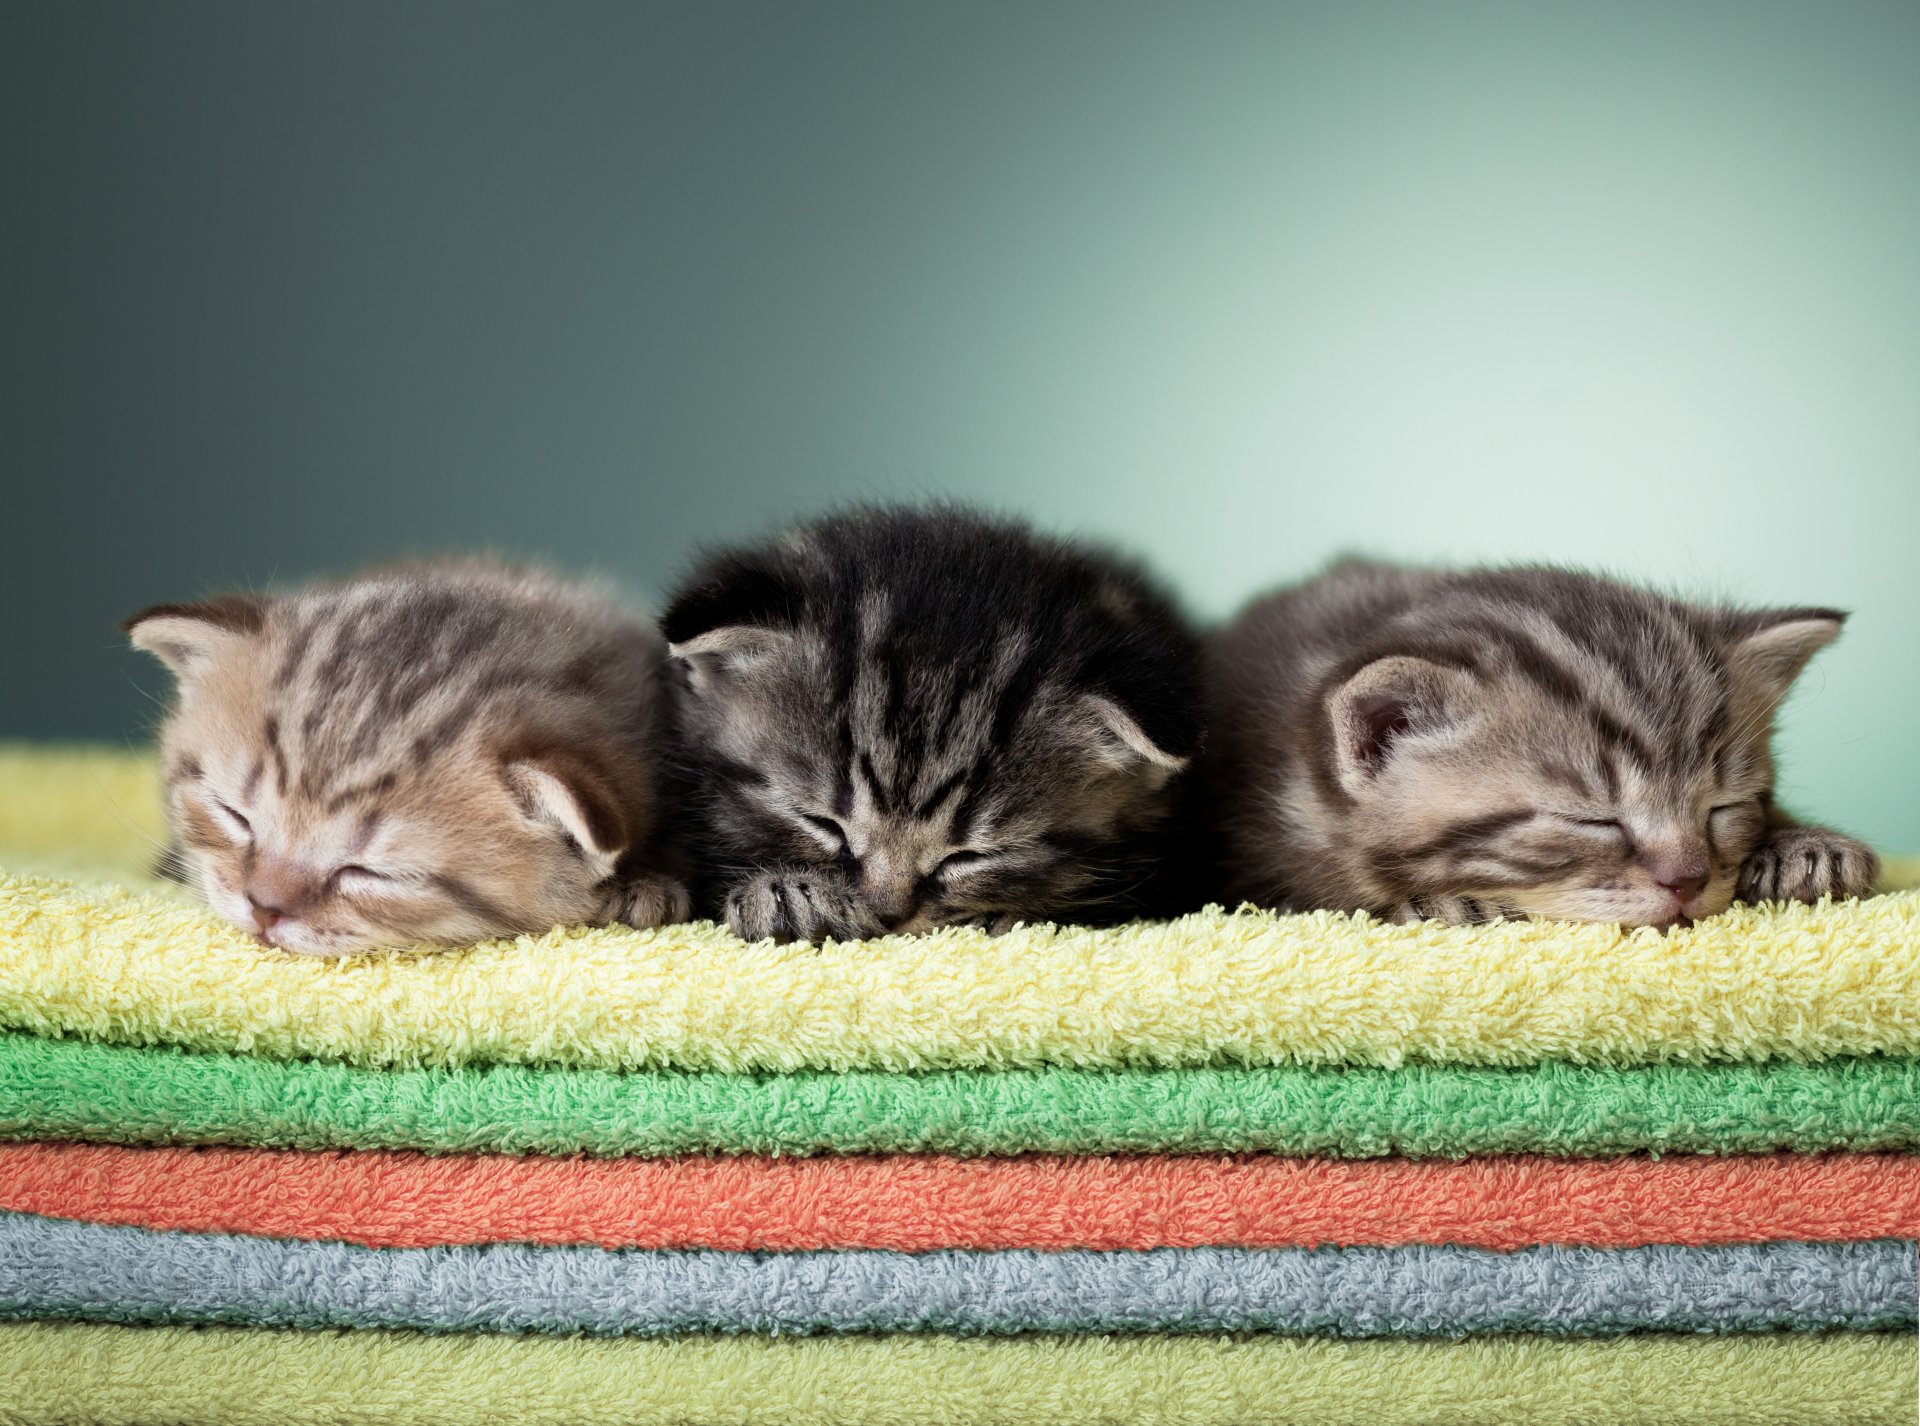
438, 753
900, 719
1511, 742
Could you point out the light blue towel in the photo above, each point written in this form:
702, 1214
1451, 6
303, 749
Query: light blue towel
59, 1269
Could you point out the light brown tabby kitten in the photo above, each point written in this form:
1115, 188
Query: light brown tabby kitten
436, 753
1510, 742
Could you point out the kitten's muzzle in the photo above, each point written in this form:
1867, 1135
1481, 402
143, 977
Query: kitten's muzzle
277, 891
893, 910
1681, 870
265, 917
894, 901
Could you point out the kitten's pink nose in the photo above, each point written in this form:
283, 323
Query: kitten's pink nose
1684, 884
1684, 891
278, 889
1681, 872
265, 917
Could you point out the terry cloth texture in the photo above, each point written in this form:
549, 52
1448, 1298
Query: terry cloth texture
50, 1268
912, 1204
70, 1089
1249, 988
1795, 1028
61, 1374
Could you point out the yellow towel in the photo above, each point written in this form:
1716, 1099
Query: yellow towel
118, 1376
140, 966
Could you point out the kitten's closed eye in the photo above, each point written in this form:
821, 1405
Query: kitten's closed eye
235, 823
956, 863
1610, 827
831, 835
362, 878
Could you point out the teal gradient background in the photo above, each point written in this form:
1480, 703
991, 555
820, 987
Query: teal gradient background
1637, 286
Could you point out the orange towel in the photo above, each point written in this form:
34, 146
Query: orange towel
406, 1200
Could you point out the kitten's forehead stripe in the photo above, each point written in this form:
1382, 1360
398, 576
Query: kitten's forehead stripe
1610, 770
276, 755
1619, 738
1540, 667
870, 779
942, 790
1566, 775
362, 792
966, 813
296, 653
961, 689
363, 833
331, 674
1016, 695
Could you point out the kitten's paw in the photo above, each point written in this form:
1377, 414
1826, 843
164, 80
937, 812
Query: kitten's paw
798, 906
1452, 910
644, 902
994, 923
1805, 864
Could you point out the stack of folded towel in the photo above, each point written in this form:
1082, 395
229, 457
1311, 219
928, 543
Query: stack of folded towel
1237, 1168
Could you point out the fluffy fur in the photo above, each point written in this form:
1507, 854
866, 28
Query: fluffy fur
898, 719
434, 754
1511, 742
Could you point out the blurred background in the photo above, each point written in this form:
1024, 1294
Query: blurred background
292, 287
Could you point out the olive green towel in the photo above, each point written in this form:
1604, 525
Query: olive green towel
62, 1374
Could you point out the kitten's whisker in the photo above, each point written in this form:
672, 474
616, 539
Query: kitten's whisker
127, 824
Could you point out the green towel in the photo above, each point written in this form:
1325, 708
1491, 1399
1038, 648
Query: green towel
73, 1089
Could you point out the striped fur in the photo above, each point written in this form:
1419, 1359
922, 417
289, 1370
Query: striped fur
899, 719
1524, 741
433, 754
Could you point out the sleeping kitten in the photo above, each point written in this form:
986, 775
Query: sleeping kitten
437, 753
900, 719
1511, 742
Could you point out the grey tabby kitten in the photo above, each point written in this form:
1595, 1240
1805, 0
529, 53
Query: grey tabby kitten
1511, 742
430, 754
899, 719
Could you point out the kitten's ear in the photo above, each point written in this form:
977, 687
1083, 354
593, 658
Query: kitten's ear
734, 613
1122, 744
1770, 647
1387, 702
189, 638
727, 652
569, 793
